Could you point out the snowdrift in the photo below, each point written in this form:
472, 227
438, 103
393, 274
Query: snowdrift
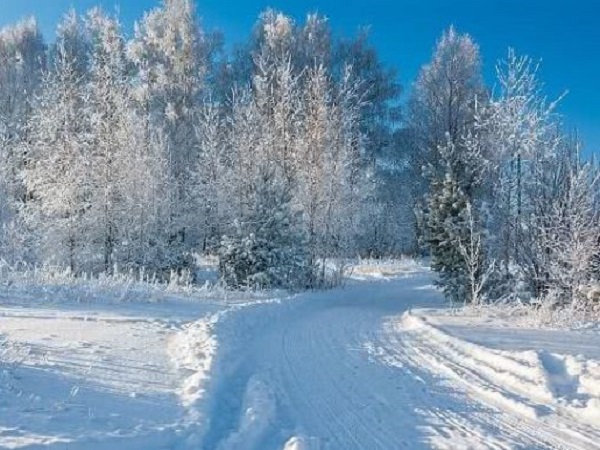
560, 390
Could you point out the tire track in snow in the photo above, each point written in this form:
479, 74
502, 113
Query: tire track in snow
537, 422
324, 357
90, 383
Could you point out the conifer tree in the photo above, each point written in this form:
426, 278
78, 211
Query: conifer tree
268, 246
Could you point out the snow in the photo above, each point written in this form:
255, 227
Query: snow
547, 378
377, 364
557, 371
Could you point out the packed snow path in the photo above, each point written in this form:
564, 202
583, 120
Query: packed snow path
348, 369
351, 370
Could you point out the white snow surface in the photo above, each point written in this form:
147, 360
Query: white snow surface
377, 364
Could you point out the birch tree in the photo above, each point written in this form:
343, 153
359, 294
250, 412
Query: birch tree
57, 174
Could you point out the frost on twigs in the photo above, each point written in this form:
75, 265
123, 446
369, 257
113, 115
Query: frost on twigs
268, 249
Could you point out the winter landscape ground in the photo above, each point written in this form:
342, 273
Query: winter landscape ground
380, 363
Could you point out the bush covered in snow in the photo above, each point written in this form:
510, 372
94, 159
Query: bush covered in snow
39, 283
268, 248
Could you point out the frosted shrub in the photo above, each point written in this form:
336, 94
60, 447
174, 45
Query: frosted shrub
268, 248
22, 281
256, 262
243, 262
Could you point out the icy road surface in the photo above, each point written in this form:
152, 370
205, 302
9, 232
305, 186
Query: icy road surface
363, 367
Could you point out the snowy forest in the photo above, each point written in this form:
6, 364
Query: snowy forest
137, 151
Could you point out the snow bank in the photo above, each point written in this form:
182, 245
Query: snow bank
533, 383
494, 375
193, 350
209, 351
381, 269
258, 413
533, 315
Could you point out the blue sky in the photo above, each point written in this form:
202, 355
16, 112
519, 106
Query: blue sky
565, 35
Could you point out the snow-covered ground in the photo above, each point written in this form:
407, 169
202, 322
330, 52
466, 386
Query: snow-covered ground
91, 377
377, 364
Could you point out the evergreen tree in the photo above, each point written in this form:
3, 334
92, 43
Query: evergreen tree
268, 247
447, 228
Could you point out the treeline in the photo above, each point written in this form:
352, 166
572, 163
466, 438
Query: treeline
138, 152
508, 206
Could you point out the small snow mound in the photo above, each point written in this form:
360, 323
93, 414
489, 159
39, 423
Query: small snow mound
258, 413
302, 443
591, 411
384, 269
193, 350
295, 443
575, 383
411, 322
562, 376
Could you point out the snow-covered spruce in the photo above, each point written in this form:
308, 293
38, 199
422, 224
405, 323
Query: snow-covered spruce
268, 249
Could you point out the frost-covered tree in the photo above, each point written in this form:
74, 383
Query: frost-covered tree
444, 98
560, 239
110, 132
314, 148
350, 175
523, 125
276, 92
22, 61
574, 235
267, 247
243, 154
442, 112
209, 177
334, 184
134, 196
169, 52
478, 270
57, 176
97, 187
280, 62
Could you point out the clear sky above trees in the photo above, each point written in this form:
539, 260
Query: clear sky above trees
563, 34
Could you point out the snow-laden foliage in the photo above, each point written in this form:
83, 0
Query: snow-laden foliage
136, 153
267, 248
507, 201
139, 152
446, 229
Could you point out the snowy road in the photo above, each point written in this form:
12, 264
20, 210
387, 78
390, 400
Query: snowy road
347, 369
322, 382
